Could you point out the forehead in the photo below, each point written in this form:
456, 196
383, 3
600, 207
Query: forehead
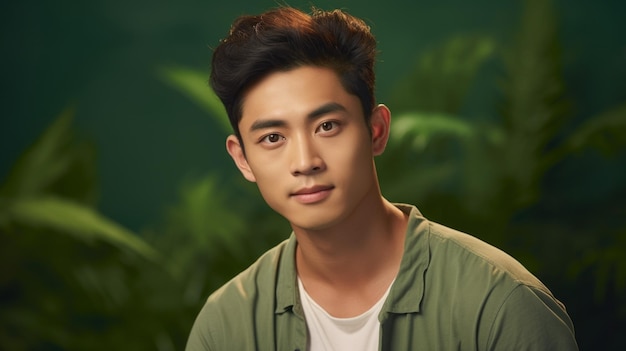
292, 93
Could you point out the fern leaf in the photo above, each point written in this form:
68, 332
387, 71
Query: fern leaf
67, 217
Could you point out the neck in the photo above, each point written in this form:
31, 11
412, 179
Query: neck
363, 250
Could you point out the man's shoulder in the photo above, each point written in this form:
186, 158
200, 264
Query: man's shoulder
512, 302
464, 251
258, 277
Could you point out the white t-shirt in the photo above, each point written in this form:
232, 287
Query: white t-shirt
328, 333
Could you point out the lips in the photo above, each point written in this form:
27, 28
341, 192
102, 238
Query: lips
312, 194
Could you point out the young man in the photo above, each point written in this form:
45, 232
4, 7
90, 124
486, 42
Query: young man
358, 272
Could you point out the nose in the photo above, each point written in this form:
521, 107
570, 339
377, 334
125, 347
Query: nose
305, 157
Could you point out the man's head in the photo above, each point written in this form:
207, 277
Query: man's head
286, 38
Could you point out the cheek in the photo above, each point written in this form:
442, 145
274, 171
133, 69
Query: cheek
263, 164
350, 160
354, 150
268, 179
265, 175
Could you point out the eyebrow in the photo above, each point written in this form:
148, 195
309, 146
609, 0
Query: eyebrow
318, 112
325, 109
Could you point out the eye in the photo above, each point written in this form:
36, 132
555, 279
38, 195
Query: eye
271, 138
327, 127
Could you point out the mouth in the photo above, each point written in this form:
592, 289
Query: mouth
312, 194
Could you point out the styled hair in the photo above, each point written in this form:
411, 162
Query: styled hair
286, 38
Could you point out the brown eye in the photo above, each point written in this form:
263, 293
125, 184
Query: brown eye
326, 126
271, 138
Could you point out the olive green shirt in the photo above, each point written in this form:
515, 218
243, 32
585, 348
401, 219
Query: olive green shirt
452, 292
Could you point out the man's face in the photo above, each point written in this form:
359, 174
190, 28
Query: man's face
308, 147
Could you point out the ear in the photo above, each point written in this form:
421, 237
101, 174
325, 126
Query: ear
380, 123
235, 150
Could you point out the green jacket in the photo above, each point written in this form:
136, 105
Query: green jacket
452, 292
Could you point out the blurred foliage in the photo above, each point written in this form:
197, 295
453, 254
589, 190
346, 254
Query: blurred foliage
72, 279
441, 78
214, 231
57, 163
194, 85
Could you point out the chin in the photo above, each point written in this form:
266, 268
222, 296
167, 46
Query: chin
313, 222
312, 217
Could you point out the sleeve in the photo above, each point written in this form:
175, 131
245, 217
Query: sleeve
531, 319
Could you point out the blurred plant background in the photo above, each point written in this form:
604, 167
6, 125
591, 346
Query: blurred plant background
120, 211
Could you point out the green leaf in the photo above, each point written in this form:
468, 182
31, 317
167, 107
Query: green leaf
605, 132
422, 128
193, 84
54, 164
73, 219
203, 214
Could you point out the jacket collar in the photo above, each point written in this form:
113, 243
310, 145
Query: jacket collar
407, 290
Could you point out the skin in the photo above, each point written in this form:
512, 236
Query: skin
310, 152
